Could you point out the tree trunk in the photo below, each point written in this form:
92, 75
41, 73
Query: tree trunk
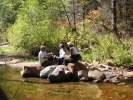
84, 17
66, 14
113, 22
120, 9
126, 3
74, 16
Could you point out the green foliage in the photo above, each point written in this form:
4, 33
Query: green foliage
6, 49
37, 23
35, 27
122, 55
106, 47
8, 12
30, 59
1, 51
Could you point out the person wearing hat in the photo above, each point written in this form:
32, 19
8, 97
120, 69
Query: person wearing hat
74, 55
62, 53
45, 59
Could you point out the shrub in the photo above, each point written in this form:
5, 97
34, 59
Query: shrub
107, 47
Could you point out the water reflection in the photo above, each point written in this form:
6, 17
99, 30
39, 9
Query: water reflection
14, 87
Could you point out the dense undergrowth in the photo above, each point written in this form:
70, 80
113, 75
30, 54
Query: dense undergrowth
106, 46
39, 22
97, 47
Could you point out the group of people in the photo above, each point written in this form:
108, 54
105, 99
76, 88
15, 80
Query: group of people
46, 59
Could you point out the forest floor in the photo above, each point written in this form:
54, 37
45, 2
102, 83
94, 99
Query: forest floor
16, 58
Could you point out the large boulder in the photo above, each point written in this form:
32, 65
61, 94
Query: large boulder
47, 70
62, 66
112, 76
59, 74
95, 74
31, 71
14, 61
75, 67
83, 75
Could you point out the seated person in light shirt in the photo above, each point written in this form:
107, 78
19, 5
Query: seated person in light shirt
62, 53
45, 59
74, 55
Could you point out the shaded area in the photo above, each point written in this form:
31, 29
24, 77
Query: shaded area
3, 95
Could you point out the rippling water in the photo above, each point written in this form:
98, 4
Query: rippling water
14, 87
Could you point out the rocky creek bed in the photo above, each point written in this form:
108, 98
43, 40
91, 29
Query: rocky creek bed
118, 84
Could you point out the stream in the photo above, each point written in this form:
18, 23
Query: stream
15, 87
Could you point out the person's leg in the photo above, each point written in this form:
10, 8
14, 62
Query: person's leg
55, 58
75, 58
62, 59
46, 63
66, 61
50, 58
79, 57
59, 61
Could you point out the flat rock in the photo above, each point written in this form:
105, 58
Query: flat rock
22, 64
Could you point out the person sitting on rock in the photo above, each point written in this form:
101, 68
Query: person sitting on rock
74, 55
62, 53
45, 59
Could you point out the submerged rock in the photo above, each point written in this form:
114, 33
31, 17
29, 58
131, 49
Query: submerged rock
121, 84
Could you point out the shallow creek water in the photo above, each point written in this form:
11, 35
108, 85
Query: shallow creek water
14, 87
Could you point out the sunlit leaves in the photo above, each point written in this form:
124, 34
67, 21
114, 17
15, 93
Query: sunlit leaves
35, 25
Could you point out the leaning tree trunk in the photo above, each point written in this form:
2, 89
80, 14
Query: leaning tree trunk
66, 14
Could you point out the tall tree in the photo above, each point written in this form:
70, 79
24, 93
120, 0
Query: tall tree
114, 17
126, 3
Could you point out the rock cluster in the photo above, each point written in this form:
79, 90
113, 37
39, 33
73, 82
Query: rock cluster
84, 71
107, 72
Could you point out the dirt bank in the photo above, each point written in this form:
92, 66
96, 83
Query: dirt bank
16, 59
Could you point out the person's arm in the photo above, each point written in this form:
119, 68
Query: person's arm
45, 56
50, 54
71, 52
65, 51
